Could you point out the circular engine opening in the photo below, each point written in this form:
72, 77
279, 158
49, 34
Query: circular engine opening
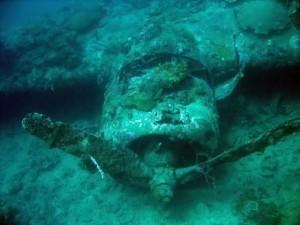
163, 150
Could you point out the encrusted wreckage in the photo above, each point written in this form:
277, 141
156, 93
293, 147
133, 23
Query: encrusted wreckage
159, 126
126, 165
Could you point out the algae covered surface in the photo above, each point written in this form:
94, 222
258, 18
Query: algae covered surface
113, 112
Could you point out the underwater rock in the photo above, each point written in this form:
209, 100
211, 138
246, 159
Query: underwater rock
39, 65
262, 17
50, 54
66, 48
85, 19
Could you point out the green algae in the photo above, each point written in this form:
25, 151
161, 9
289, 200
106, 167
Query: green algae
163, 78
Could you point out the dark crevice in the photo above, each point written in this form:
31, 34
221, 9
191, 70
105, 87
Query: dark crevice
261, 89
79, 102
263, 82
186, 153
10, 215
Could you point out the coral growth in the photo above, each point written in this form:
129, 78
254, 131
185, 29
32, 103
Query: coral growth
144, 92
141, 101
170, 74
270, 17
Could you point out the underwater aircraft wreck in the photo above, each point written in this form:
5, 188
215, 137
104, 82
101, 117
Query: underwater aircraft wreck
160, 123
125, 165
159, 130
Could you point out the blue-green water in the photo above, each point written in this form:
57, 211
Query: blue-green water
171, 84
